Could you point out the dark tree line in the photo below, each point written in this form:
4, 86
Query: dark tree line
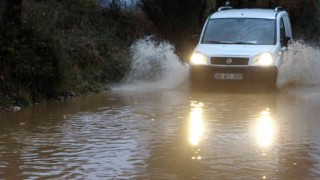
12, 13
176, 20
171, 15
11, 18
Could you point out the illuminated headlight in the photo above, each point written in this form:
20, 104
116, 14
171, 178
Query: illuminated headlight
198, 58
264, 59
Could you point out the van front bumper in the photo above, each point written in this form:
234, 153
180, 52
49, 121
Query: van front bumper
200, 74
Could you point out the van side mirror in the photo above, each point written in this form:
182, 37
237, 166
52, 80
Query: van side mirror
285, 41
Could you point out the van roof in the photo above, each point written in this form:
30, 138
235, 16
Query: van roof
245, 13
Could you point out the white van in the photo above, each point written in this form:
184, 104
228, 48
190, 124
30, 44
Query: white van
238, 45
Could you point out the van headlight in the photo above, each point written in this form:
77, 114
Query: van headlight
264, 59
198, 58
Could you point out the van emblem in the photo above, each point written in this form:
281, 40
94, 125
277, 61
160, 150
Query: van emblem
229, 61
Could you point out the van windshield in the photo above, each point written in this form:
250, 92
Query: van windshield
240, 31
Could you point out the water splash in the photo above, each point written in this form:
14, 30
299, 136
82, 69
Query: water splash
301, 66
154, 66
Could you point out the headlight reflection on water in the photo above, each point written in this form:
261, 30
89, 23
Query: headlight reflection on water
196, 123
265, 129
196, 128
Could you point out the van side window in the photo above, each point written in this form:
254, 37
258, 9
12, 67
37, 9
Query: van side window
282, 31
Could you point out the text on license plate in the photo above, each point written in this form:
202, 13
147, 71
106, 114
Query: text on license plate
230, 76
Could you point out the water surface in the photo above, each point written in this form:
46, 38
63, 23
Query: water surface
166, 135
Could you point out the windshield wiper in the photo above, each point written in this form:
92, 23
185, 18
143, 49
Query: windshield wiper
242, 43
214, 42
219, 42
227, 42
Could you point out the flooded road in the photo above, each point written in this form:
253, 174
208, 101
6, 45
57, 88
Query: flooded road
166, 135
144, 129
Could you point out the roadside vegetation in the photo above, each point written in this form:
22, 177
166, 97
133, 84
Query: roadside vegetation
56, 49
64, 48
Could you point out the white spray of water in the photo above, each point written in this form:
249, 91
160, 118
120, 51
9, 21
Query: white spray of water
154, 66
301, 66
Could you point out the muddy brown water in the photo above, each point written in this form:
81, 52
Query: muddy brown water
166, 135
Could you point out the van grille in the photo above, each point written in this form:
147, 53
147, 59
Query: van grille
229, 61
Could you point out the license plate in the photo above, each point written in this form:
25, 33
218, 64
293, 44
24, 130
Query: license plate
229, 76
